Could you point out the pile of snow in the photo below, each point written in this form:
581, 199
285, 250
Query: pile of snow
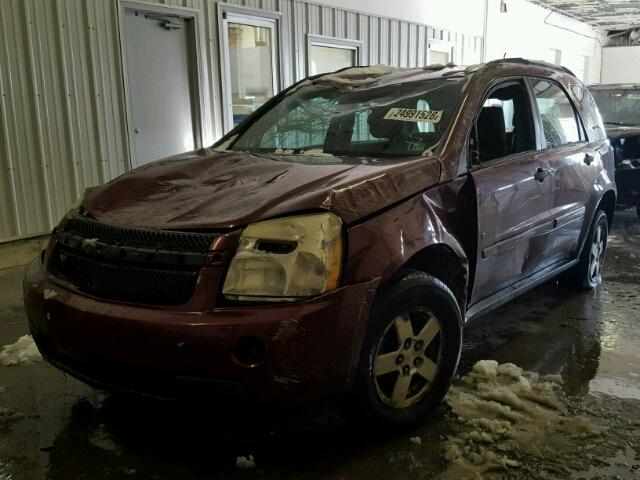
102, 439
23, 352
245, 462
416, 440
504, 413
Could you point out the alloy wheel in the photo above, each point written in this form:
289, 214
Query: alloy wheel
407, 357
596, 255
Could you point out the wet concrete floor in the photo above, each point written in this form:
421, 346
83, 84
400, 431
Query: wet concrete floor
57, 428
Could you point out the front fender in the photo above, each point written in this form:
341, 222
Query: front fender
382, 245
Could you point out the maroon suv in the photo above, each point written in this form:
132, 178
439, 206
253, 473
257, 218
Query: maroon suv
335, 242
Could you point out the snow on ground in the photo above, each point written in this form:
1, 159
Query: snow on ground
503, 414
245, 462
23, 352
102, 439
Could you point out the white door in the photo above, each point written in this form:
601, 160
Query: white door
157, 49
250, 48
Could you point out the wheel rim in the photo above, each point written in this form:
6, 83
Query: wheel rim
596, 255
407, 357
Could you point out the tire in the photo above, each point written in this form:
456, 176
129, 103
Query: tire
435, 319
587, 274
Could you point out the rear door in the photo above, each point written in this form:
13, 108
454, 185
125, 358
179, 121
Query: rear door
513, 190
574, 162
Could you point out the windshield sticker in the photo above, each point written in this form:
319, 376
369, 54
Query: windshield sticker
412, 115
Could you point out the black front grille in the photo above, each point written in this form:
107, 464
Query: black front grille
130, 264
167, 239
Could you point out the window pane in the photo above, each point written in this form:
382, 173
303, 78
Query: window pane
306, 124
505, 124
438, 58
619, 106
330, 119
251, 65
590, 113
327, 59
558, 117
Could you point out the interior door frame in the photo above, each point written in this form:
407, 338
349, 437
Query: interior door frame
355, 46
195, 32
256, 17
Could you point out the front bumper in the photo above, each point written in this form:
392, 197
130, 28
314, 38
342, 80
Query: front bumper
312, 347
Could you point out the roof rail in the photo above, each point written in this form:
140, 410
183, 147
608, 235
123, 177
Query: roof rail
540, 63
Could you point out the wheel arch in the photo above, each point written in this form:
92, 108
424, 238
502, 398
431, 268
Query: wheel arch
608, 205
441, 261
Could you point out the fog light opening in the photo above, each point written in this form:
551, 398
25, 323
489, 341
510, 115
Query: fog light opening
249, 352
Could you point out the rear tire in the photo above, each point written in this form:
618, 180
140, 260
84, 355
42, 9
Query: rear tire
587, 274
410, 352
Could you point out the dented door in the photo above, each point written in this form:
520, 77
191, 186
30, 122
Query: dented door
514, 221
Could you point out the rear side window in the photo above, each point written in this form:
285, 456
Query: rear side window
591, 113
559, 120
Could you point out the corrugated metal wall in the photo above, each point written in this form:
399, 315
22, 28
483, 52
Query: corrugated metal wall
62, 110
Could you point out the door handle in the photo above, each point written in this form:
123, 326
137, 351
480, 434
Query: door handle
588, 158
541, 174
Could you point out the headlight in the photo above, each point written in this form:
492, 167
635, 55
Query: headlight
287, 258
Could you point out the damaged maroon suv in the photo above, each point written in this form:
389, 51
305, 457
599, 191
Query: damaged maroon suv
334, 243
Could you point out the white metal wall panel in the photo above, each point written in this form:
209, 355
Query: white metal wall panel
61, 114
62, 102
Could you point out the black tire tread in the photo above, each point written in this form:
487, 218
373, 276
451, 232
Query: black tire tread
576, 277
359, 403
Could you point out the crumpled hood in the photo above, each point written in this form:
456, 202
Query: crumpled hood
621, 131
207, 189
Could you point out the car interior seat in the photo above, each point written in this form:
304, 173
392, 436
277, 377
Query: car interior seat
492, 137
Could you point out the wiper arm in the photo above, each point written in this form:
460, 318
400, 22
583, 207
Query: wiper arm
614, 123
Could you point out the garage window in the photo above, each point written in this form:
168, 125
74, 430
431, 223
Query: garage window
327, 54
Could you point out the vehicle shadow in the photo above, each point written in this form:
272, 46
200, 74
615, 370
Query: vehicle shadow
144, 438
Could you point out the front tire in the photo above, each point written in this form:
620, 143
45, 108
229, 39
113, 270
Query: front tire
587, 274
410, 352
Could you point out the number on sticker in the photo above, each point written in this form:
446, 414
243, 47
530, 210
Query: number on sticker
413, 115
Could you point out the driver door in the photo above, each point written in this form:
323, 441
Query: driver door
513, 190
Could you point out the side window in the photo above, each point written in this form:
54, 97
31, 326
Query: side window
559, 121
591, 113
504, 126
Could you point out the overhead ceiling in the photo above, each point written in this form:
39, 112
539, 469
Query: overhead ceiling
601, 14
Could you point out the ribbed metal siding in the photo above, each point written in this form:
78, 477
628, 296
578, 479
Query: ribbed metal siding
62, 106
